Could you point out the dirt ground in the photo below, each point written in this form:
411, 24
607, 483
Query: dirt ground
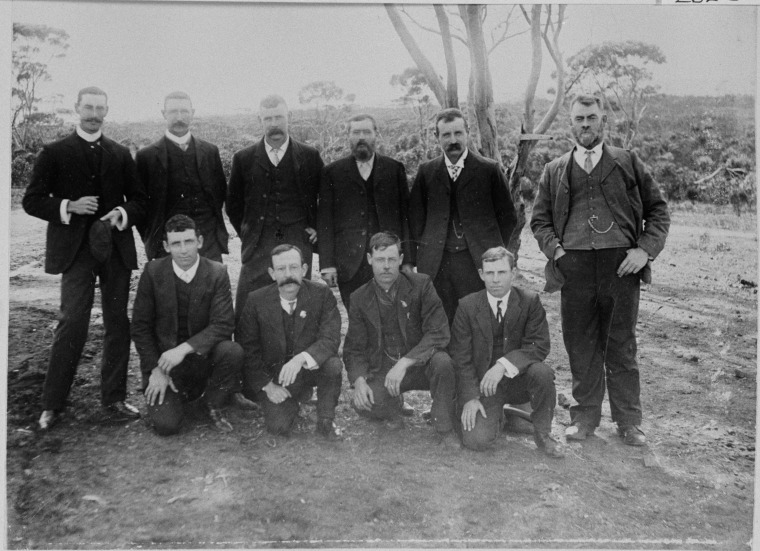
87, 484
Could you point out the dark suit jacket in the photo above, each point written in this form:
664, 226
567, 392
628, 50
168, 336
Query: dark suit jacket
261, 332
211, 318
526, 337
250, 186
152, 167
483, 201
421, 317
342, 220
61, 172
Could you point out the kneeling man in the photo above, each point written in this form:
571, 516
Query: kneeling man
396, 341
499, 340
181, 324
290, 332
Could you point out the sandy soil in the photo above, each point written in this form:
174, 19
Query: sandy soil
91, 485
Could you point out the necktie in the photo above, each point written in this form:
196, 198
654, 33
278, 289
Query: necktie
275, 156
292, 306
455, 172
587, 165
364, 170
185, 277
499, 314
183, 146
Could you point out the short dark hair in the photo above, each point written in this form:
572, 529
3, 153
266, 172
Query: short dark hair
93, 90
497, 253
587, 99
179, 222
361, 117
383, 240
177, 95
285, 247
448, 115
272, 101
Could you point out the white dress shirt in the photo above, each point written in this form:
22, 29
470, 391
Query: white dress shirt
460, 163
186, 275
286, 305
579, 154
365, 167
280, 151
510, 370
179, 140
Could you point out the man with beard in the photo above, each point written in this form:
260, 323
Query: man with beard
290, 333
86, 187
458, 208
183, 175
396, 341
272, 197
182, 324
359, 196
600, 220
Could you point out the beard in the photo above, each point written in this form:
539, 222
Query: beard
362, 150
587, 140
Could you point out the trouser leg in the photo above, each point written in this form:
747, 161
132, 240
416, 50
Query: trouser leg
226, 359
362, 276
114, 293
536, 385
252, 277
77, 294
439, 371
457, 277
167, 417
328, 377
582, 335
486, 429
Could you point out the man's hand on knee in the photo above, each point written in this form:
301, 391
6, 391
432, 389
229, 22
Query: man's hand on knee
275, 393
470, 412
363, 397
156, 388
290, 370
396, 375
173, 357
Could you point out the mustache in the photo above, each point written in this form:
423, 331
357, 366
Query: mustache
274, 131
93, 119
453, 147
288, 281
180, 124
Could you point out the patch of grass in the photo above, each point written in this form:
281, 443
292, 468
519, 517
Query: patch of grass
707, 216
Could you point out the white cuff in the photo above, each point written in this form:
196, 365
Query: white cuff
510, 370
65, 215
310, 363
124, 221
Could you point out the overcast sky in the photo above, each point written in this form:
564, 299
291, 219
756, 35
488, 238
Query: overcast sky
228, 56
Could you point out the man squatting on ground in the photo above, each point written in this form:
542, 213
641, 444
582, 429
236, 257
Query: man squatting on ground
86, 187
182, 323
600, 219
290, 332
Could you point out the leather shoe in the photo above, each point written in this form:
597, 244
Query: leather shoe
244, 403
578, 431
447, 440
549, 445
407, 410
632, 435
121, 411
326, 428
48, 418
221, 424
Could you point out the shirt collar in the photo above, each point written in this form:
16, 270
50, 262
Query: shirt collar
282, 149
286, 304
370, 163
459, 163
597, 149
189, 274
492, 300
179, 140
89, 137
390, 294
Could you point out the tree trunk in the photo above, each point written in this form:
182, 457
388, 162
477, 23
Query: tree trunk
452, 89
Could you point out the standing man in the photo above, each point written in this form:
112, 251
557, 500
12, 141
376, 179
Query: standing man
182, 323
600, 220
499, 341
396, 341
359, 196
86, 187
290, 332
459, 206
183, 175
272, 197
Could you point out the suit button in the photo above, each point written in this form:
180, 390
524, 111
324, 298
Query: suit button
264, 195
261, 217
364, 232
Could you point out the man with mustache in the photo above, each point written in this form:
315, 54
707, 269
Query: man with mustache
183, 175
272, 197
182, 324
290, 333
459, 207
87, 188
360, 195
396, 341
600, 219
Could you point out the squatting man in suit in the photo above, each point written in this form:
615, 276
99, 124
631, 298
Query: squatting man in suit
499, 341
182, 323
360, 195
86, 187
459, 206
396, 341
600, 219
183, 175
272, 197
290, 332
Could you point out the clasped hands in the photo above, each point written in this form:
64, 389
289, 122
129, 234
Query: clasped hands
89, 205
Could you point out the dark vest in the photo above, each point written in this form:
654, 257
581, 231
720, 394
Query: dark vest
586, 202
373, 222
289, 325
455, 240
393, 338
93, 153
185, 193
183, 308
285, 204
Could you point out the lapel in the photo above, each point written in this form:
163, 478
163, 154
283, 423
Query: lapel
368, 302
197, 290
607, 163
260, 156
467, 173
162, 154
303, 310
297, 161
402, 303
272, 310
200, 157
352, 172
108, 156
564, 183
443, 173
167, 289
513, 313
77, 153
483, 316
